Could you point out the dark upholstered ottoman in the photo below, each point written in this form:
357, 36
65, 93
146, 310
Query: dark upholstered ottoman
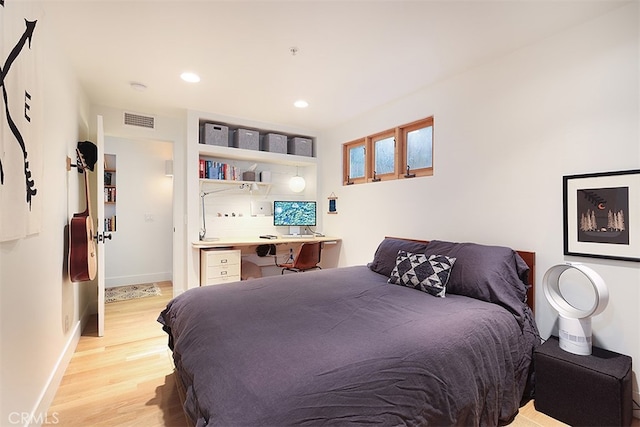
579, 390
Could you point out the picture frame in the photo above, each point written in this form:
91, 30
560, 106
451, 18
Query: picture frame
602, 215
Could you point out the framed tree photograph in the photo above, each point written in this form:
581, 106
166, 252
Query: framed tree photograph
602, 215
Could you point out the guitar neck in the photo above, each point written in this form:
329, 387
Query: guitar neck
87, 211
87, 194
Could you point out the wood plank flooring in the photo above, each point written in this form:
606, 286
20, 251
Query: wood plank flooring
126, 377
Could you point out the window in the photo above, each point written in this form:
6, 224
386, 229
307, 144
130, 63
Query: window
403, 152
354, 162
418, 148
384, 156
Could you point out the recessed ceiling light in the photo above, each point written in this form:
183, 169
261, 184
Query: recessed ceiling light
190, 77
301, 103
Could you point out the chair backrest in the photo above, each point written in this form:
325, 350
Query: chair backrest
308, 256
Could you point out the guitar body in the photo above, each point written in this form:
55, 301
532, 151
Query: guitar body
83, 259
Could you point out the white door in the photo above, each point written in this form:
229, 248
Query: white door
100, 232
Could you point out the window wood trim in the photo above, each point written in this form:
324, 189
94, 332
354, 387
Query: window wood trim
346, 163
400, 134
371, 158
404, 130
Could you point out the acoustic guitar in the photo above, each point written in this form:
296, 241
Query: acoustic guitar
83, 260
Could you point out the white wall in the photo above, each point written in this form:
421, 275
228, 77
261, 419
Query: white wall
141, 248
40, 310
505, 134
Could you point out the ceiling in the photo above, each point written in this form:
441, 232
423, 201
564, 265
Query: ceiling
352, 56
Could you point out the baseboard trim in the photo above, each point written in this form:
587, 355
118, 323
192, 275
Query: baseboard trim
40, 411
111, 282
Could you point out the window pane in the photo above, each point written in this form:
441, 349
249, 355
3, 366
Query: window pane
356, 162
419, 147
385, 153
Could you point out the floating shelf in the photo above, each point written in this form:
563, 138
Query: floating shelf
230, 153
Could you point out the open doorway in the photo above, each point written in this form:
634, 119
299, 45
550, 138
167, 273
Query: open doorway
141, 212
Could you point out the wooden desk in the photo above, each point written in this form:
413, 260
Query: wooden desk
238, 242
247, 246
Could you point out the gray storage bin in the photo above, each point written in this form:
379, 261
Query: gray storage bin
247, 139
214, 134
301, 146
274, 143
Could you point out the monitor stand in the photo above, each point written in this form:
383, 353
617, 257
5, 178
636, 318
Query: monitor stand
294, 231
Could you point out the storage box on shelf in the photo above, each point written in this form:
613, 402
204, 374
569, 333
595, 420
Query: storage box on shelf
274, 143
265, 176
300, 146
249, 176
225, 135
214, 134
246, 139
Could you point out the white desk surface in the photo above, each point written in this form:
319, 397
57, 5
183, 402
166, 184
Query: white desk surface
226, 242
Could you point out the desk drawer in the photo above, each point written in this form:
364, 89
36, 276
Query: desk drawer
219, 266
226, 257
220, 281
216, 275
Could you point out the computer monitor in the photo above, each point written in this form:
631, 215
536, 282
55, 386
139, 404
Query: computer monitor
294, 214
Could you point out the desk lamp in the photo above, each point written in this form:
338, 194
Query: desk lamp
202, 236
574, 325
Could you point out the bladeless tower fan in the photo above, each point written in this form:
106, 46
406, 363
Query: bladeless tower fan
574, 324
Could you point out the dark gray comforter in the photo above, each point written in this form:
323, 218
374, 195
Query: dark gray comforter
342, 346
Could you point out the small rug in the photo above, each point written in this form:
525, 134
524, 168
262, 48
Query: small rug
123, 293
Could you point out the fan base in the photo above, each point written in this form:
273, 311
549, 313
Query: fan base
575, 335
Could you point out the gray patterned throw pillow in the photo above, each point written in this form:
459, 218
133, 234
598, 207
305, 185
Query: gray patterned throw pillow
427, 274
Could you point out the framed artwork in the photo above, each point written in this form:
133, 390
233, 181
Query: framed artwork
602, 215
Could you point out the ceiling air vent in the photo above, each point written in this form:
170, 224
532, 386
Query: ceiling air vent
138, 120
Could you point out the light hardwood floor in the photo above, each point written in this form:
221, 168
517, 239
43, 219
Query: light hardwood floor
126, 377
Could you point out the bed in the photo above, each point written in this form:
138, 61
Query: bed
428, 333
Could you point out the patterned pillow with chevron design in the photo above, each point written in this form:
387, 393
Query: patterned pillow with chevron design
427, 274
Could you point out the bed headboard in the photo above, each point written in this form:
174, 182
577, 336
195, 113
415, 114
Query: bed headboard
528, 257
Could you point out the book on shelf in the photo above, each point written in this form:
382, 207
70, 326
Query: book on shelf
110, 194
210, 169
110, 224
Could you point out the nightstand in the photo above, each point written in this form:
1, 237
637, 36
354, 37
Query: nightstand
580, 390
